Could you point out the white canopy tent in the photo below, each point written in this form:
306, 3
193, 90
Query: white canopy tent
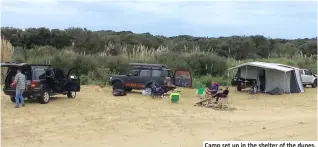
271, 76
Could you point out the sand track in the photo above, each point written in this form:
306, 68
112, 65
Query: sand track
95, 118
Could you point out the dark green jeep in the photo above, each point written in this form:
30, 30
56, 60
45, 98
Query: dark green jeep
142, 75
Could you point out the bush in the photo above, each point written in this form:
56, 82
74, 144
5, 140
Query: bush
206, 64
97, 68
206, 80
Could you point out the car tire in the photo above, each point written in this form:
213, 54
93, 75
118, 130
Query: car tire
45, 98
314, 85
117, 85
71, 94
238, 88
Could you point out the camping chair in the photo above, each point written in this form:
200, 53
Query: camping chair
200, 92
254, 91
156, 91
223, 101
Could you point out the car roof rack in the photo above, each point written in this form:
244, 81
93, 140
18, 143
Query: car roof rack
16, 63
40, 65
145, 65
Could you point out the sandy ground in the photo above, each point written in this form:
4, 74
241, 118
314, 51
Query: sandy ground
97, 119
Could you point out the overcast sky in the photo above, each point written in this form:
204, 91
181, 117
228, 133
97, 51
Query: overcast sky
284, 19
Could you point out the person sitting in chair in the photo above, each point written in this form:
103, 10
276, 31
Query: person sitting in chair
212, 89
221, 95
157, 90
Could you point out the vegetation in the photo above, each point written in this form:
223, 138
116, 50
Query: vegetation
99, 54
6, 54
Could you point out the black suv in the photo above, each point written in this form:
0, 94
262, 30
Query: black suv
42, 81
142, 75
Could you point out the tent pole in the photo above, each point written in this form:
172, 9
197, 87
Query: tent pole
284, 82
265, 71
245, 75
289, 81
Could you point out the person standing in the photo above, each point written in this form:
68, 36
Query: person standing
20, 82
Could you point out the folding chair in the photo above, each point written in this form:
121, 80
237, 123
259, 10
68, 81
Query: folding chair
156, 91
254, 92
223, 101
200, 92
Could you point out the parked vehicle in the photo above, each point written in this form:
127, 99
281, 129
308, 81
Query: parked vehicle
308, 78
43, 81
142, 75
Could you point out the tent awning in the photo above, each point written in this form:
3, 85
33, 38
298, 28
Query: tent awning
264, 65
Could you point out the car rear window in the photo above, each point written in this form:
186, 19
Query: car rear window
182, 74
38, 74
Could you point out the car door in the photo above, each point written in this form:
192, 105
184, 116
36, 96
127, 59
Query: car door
73, 82
182, 78
306, 77
139, 81
59, 80
130, 79
302, 75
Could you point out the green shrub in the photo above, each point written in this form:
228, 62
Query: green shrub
206, 80
97, 68
84, 80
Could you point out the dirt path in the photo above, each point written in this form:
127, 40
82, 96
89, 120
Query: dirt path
95, 118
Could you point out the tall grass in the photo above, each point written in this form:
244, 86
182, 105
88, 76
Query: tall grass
6, 54
97, 68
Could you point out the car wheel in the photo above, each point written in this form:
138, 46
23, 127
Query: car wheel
314, 85
45, 98
71, 94
118, 85
238, 88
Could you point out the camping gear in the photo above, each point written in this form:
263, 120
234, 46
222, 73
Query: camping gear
271, 75
200, 91
276, 91
174, 96
146, 92
119, 92
156, 90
